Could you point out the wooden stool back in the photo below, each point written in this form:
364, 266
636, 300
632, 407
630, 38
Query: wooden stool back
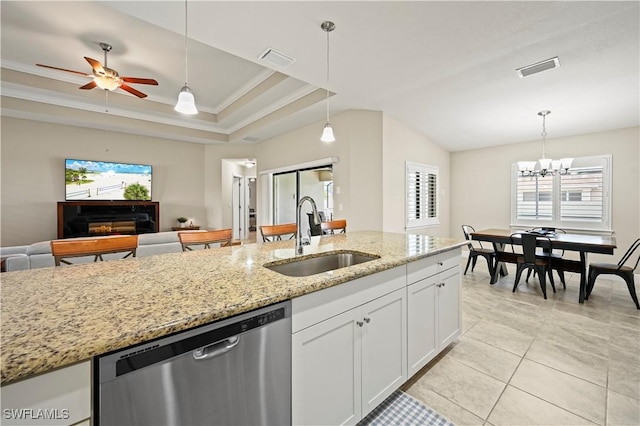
276, 232
64, 249
205, 238
332, 226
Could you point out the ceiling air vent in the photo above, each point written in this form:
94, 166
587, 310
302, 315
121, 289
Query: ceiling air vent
538, 67
276, 58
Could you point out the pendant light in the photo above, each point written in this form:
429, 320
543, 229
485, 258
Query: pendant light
186, 102
544, 166
327, 132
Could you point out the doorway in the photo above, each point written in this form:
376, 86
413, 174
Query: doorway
290, 186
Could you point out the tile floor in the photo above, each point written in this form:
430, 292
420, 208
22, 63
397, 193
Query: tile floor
523, 360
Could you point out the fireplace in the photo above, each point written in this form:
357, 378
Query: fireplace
95, 218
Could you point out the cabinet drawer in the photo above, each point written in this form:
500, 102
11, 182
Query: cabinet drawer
315, 307
427, 267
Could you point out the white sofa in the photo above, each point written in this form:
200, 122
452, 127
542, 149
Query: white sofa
38, 255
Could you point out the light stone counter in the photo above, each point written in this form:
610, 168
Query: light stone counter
53, 317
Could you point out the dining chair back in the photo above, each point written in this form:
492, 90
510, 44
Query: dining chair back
555, 254
531, 260
488, 253
620, 269
278, 232
205, 238
62, 250
334, 226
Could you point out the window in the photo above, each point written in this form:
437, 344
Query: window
422, 195
577, 200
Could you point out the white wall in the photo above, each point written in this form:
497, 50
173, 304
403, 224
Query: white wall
358, 174
400, 145
32, 174
481, 181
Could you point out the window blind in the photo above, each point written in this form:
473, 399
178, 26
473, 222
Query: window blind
582, 195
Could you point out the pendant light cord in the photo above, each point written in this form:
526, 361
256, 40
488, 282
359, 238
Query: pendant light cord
328, 76
186, 63
544, 134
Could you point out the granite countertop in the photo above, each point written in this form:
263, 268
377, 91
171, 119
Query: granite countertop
53, 317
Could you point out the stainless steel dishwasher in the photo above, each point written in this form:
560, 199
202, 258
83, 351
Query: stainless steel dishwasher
233, 372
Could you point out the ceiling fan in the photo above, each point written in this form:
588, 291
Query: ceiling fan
107, 78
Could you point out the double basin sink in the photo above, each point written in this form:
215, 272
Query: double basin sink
324, 262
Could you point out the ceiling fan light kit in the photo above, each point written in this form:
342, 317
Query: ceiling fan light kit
186, 101
107, 78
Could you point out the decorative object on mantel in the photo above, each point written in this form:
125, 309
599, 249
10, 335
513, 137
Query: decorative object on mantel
544, 166
186, 101
183, 221
327, 132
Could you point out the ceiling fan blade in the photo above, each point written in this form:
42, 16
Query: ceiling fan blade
140, 80
89, 85
97, 66
133, 91
64, 69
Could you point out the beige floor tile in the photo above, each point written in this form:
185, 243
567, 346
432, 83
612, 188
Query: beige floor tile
487, 359
579, 323
453, 412
622, 410
581, 364
464, 386
624, 373
516, 407
559, 334
631, 322
501, 336
578, 396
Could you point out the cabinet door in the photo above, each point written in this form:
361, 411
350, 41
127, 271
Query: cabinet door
384, 357
326, 372
448, 297
421, 324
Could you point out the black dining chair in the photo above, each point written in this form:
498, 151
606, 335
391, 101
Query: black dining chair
619, 269
474, 252
555, 253
530, 260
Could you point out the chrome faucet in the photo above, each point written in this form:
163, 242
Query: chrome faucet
316, 220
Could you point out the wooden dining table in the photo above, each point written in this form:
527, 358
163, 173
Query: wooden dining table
581, 243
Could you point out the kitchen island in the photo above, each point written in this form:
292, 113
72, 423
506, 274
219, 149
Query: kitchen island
55, 317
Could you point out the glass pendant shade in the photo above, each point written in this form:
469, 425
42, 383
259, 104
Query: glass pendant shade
327, 134
544, 163
106, 83
186, 101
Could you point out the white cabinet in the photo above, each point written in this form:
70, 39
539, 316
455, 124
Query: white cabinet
347, 363
60, 397
433, 307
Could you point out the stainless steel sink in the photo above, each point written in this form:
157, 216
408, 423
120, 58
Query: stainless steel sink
323, 263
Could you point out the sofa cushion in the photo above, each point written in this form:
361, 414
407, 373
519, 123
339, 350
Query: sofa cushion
158, 238
42, 247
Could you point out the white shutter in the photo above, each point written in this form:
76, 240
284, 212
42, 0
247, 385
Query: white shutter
422, 195
534, 198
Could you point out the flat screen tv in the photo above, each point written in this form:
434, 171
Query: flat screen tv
104, 180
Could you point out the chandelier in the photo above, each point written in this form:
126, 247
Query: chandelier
544, 166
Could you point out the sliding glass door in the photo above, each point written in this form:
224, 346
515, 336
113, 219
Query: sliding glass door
290, 186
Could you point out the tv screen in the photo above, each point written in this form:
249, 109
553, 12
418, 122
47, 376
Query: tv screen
103, 180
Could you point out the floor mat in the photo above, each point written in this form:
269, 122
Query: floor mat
401, 409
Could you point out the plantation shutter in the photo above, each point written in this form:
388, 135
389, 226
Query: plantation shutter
534, 197
422, 195
582, 195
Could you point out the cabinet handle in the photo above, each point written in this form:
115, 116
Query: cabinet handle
360, 323
440, 263
367, 320
440, 285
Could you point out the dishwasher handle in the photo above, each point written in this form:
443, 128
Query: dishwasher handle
215, 349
